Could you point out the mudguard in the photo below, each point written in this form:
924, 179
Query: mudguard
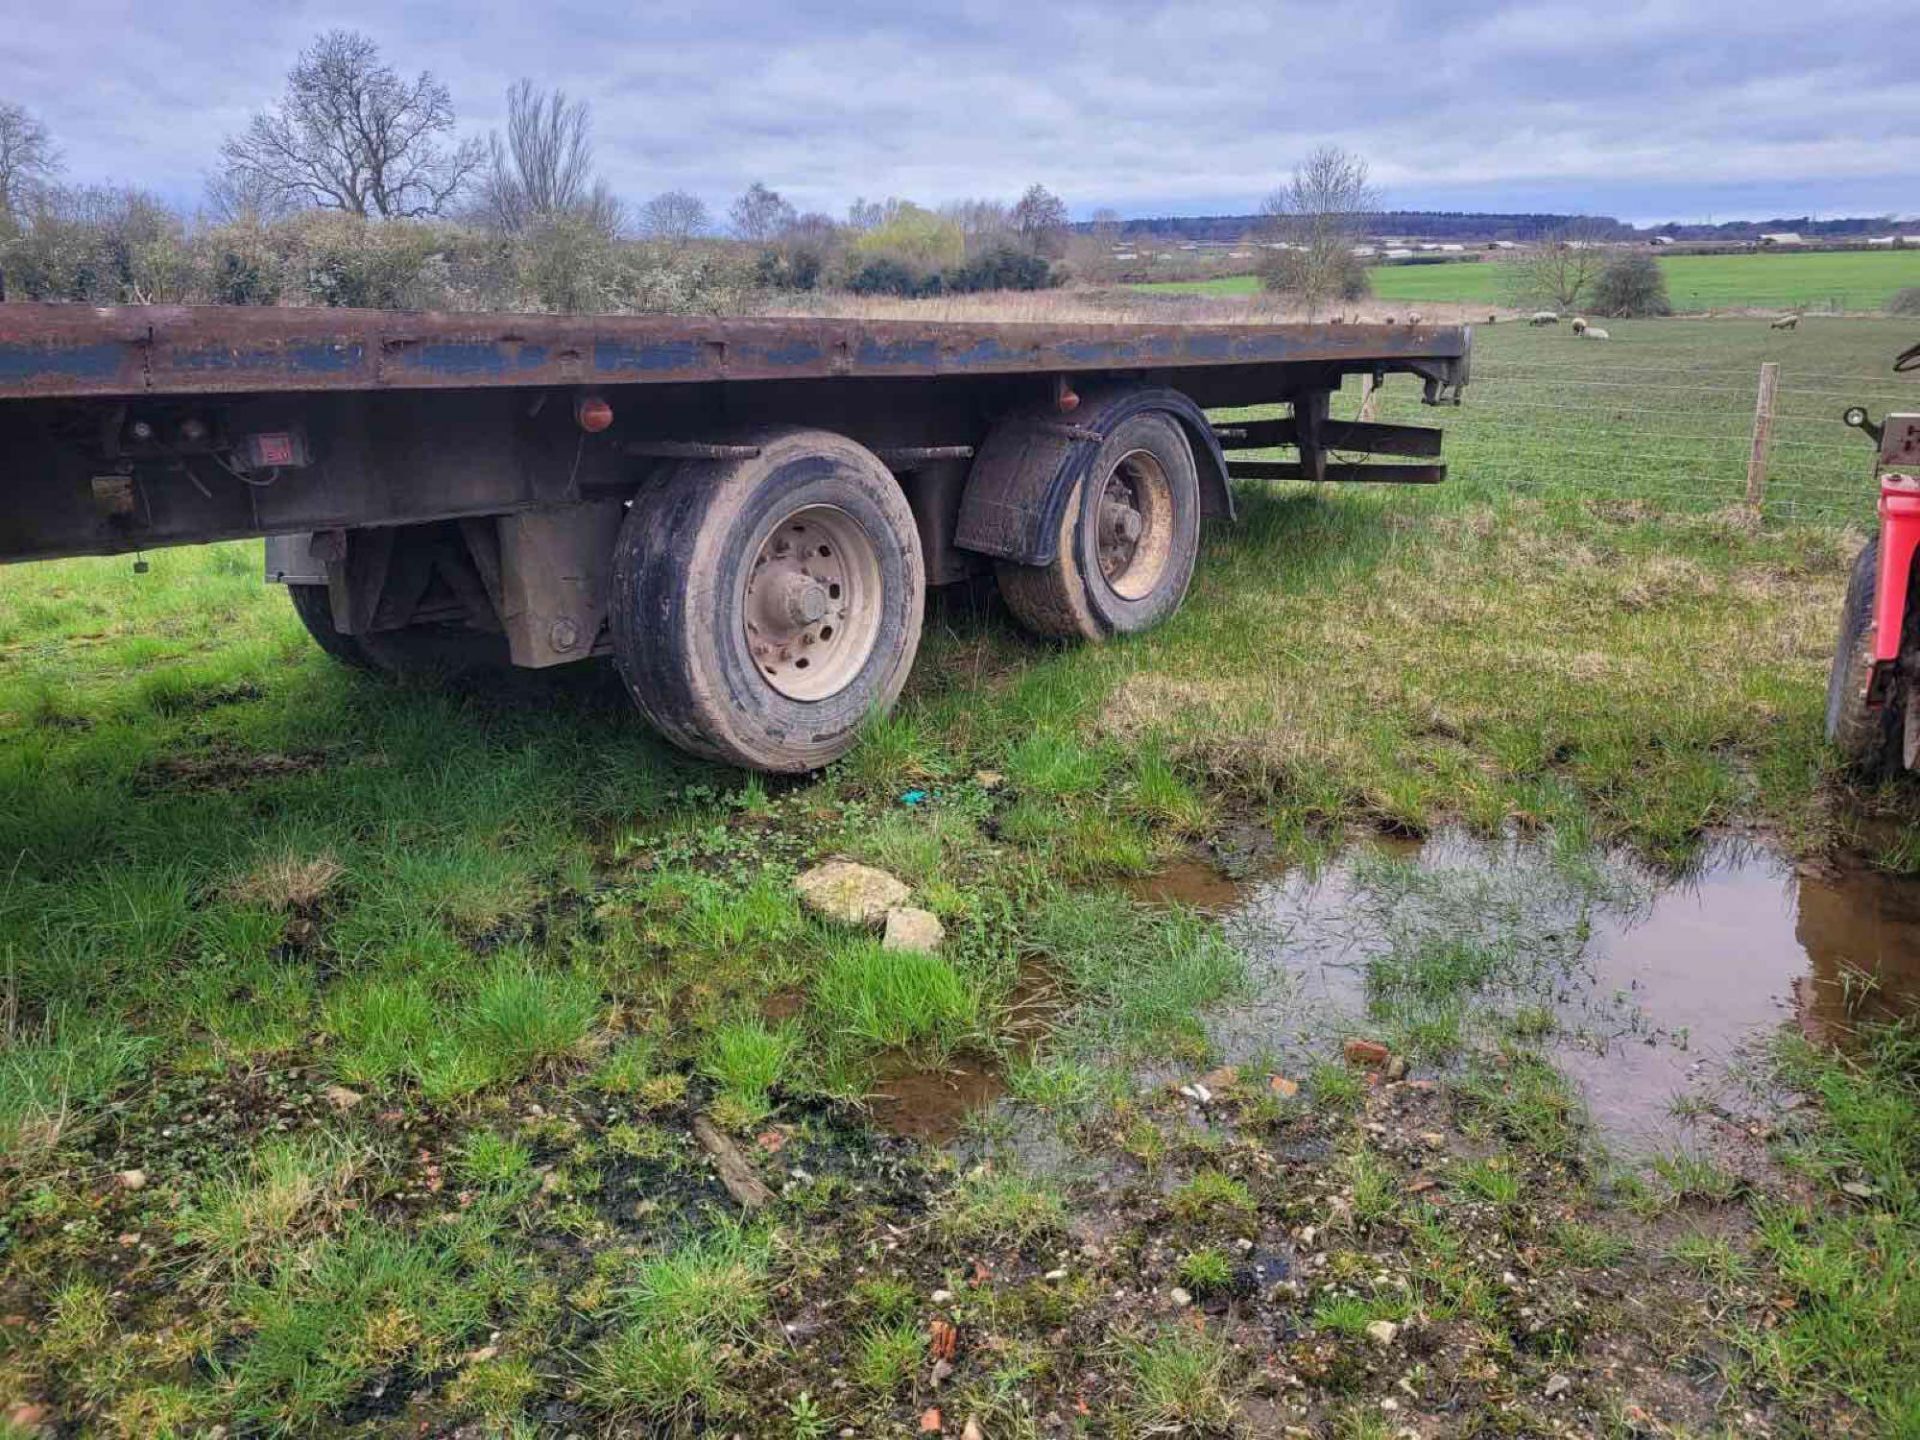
1899, 537
1025, 472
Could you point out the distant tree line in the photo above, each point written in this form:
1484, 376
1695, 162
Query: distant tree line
355, 187
1431, 224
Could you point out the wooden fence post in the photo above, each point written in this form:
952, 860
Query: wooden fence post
1762, 436
1369, 393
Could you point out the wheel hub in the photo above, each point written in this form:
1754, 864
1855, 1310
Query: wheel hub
812, 610
1135, 524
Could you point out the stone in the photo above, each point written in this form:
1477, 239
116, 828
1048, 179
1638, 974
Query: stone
911, 929
341, 1098
1283, 1087
132, 1179
1179, 1296
941, 1297
1556, 1386
1370, 1053
1397, 1068
848, 893
1383, 1332
972, 1430
930, 1421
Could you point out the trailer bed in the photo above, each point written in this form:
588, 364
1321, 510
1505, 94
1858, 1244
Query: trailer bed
54, 351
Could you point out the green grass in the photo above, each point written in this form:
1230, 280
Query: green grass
714, 1285
746, 1059
664, 1379
886, 1356
1211, 1197
1206, 1271
1837, 280
1181, 1383
329, 1318
895, 998
1001, 1206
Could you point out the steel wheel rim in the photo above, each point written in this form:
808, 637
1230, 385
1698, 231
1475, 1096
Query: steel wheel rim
812, 603
1134, 519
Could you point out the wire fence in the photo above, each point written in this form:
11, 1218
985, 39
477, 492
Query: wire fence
1679, 433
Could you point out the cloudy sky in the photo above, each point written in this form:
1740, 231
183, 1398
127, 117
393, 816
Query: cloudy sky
1646, 111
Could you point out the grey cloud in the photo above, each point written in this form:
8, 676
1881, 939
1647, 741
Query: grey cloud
1647, 110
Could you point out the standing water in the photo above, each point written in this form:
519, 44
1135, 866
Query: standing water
1645, 987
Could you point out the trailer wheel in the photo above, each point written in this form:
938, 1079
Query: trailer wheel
1128, 539
315, 610
763, 608
417, 652
1870, 739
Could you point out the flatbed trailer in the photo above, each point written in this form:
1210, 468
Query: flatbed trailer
744, 513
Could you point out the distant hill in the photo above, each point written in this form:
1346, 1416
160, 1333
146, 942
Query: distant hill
1463, 225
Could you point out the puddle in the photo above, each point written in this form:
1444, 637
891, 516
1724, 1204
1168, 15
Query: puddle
1193, 883
932, 1104
1652, 987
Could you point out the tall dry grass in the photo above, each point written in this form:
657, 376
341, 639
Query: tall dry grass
1111, 305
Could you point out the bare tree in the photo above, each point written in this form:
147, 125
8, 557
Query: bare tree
1314, 222
543, 169
1040, 219
28, 161
676, 216
760, 214
986, 224
350, 134
1560, 272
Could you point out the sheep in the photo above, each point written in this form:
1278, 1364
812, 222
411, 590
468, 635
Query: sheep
1785, 322
1594, 332
1544, 317
1414, 319
1579, 324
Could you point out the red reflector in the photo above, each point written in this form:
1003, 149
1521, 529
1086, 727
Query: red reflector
594, 414
271, 449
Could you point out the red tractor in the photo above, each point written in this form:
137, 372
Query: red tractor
1873, 694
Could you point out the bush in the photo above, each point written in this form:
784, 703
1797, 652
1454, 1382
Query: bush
884, 275
97, 245
1631, 285
1905, 302
342, 260
1299, 273
1002, 268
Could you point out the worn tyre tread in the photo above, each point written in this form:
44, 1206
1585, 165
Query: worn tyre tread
315, 609
666, 593
1869, 739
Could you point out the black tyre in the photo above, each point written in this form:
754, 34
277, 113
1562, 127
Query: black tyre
315, 609
1128, 539
1870, 739
762, 608
414, 652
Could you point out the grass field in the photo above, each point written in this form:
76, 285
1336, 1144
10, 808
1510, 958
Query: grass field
353, 1033
1844, 281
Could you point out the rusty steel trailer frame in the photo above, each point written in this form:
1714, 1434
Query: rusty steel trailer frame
123, 428
51, 350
